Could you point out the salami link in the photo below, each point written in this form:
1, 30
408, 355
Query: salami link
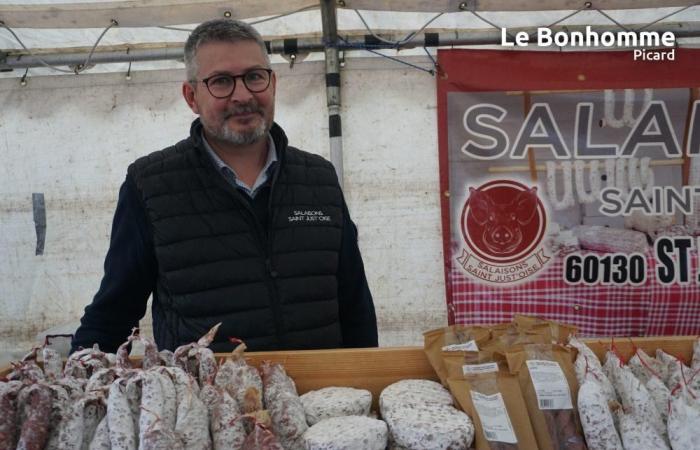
684, 422
94, 411
226, 430
122, 435
151, 358
261, 438
35, 412
60, 401
240, 380
100, 441
8, 414
169, 399
637, 434
596, 417
151, 404
285, 407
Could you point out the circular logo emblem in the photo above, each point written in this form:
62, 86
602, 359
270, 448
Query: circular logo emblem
503, 221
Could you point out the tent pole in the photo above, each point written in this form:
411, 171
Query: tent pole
330, 44
10, 60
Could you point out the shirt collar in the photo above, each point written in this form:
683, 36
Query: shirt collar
227, 171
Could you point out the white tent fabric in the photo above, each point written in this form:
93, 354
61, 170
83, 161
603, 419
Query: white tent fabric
71, 138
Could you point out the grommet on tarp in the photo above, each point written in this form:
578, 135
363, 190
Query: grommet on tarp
227, 14
23, 81
128, 71
469, 5
294, 58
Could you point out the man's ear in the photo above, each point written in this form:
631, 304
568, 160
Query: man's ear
188, 94
273, 83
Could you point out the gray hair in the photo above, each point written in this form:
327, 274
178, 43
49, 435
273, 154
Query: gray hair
219, 30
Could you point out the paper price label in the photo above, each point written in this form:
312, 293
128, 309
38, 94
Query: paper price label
550, 384
469, 346
473, 369
494, 417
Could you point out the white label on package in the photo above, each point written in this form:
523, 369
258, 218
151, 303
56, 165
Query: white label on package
550, 384
469, 346
494, 417
473, 369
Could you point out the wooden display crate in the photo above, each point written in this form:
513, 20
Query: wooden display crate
375, 368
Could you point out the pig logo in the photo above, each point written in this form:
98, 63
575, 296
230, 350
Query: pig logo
503, 221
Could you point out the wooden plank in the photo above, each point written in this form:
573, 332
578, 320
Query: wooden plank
678, 346
141, 13
372, 369
375, 368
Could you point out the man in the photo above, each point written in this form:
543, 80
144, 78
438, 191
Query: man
232, 225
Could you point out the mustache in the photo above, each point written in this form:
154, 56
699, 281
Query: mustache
247, 108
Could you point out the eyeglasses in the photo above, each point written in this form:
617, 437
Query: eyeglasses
223, 85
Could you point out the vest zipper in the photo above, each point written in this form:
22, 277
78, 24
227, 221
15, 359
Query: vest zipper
270, 272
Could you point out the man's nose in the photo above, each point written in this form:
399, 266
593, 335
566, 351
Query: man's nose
241, 93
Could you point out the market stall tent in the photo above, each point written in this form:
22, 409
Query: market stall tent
67, 136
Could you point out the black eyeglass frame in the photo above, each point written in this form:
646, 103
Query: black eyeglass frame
242, 77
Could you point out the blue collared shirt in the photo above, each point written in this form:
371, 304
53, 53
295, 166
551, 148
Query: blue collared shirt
230, 175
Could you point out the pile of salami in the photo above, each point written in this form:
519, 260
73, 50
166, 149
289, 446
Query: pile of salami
187, 400
647, 403
175, 400
532, 384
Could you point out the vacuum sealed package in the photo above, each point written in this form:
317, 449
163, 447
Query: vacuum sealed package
484, 388
549, 386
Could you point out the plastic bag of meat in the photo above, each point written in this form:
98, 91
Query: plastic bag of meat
491, 396
548, 381
335, 402
596, 417
347, 433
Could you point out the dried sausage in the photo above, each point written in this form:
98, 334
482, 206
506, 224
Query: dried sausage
35, 410
122, 435
284, 405
596, 417
8, 414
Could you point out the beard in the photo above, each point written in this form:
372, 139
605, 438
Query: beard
226, 134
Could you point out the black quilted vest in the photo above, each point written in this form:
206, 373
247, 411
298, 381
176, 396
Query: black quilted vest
274, 288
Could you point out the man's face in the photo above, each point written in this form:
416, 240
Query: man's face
244, 117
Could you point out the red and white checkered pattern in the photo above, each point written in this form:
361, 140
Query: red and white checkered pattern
599, 310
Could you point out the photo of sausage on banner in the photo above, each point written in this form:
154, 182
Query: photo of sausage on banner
570, 192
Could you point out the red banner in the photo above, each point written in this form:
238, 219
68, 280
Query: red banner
570, 188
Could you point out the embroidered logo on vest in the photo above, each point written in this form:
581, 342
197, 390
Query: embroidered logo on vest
308, 215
